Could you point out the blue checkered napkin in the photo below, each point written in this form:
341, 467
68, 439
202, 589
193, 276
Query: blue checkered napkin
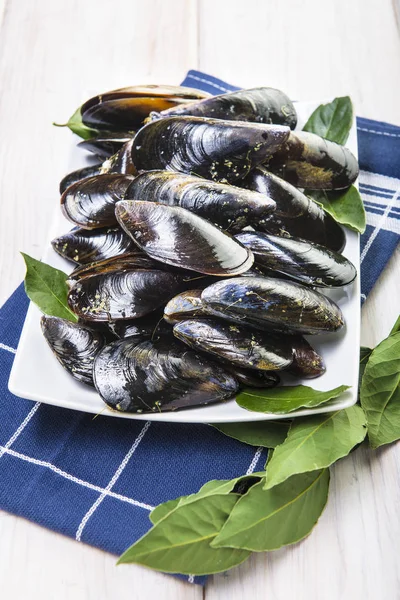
97, 480
379, 157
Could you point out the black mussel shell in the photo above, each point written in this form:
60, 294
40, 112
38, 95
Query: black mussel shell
175, 236
158, 376
296, 214
224, 151
255, 379
75, 346
80, 174
91, 203
123, 262
228, 206
185, 305
85, 246
237, 345
259, 105
309, 161
307, 362
121, 162
126, 108
106, 144
300, 260
266, 303
151, 327
122, 295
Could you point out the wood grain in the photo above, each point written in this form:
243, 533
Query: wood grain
51, 53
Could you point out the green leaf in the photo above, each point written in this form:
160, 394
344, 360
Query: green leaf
332, 121
396, 327
77, 126
380, 392
263, 433
180, 542
47, 288
316, 442
162, 510
269, 519
365, 353
283, 400
345, 206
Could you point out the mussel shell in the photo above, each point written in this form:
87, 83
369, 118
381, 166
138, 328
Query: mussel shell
300, 260
259, 105
266, 303
126, 108
309, 161
91, 203
123, 262
122, 295
106, 144
237, 345
229, 206
85, 246
121, 162
151, 327
307, 362
175, 236
75, 346
80, 174
224, 151
155, 376
256, 379
185, 305
296, 214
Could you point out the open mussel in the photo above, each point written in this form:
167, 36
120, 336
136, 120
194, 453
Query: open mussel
228, 206
259, 105
75, 346
175, 236
295, 214
122, 294
85, 246
91, 203
309, 161
106, 144
126, 108
238, 345
158, 376
268, 303
128, 261
224, 151
300, 260
185, 305
307, 362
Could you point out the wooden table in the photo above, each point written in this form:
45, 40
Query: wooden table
51, 52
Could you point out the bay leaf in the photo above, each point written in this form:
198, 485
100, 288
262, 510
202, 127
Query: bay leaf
77, 126
316, 442
365, 353
259, 433
396, 326
180, 542
285, 399
345, 206
47, 288
332, 121
380, 392
269, 519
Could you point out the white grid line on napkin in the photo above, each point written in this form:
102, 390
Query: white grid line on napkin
20, 429
8, 348
379, 225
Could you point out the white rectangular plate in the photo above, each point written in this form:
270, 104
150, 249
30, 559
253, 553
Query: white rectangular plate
37, 375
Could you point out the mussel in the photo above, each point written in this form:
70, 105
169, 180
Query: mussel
306, 361
300, 260
229, 206
126, 108
91, 203
236, 344
122, 262
80, 174
255, 379
260, 105
106, 144
122, 294
224, 151
175, 236
74, 346
267, 303
295, 214
85, 246
309, 161
155, 376
185, 305
151, 327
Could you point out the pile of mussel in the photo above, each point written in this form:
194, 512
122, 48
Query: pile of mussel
199, 259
